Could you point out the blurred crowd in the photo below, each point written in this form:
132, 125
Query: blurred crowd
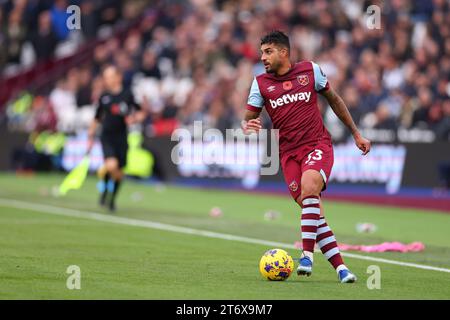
37, 30
195, 60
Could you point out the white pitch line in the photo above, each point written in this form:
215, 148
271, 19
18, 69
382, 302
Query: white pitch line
42, 208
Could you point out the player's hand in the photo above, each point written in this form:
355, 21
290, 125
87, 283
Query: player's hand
362, 143
129, 120
251, 126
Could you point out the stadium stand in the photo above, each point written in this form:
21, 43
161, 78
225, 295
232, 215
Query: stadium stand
195, 60
197, 64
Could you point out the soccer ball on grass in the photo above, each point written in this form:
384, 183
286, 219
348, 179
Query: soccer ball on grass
276, 264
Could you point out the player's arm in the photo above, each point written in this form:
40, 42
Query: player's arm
255, 103
340, 109
251, 122
250, 115
94, 126
139, 114
322, 86
136, 117
91, 134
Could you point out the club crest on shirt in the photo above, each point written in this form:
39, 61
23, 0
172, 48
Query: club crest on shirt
123, 108
293, 186
287, 85
303, 79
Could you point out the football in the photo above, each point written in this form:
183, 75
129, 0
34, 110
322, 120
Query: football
276, 264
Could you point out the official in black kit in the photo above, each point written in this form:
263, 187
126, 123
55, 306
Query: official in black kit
116, 110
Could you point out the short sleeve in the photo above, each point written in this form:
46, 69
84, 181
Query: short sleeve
320, 79
255, 101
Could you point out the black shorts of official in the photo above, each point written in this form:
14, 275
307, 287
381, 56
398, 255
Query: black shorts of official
115, 147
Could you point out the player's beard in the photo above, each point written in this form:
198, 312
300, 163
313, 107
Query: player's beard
273, 67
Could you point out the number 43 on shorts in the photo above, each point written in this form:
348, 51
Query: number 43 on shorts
314, 155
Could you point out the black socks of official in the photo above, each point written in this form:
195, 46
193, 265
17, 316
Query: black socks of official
109, 192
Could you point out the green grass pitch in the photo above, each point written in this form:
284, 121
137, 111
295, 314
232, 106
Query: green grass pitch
120, 261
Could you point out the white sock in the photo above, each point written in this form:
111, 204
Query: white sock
341, 267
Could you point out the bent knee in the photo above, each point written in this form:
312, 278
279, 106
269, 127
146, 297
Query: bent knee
111, 164
311, 187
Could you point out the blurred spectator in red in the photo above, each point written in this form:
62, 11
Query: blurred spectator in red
42, 117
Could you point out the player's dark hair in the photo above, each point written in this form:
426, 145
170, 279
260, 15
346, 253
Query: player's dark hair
277, 38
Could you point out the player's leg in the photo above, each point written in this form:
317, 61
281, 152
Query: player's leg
292, 173
311, 186
117, 182
121, 150
317, 169
112, 166
326, 241
104, 176
104, 173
